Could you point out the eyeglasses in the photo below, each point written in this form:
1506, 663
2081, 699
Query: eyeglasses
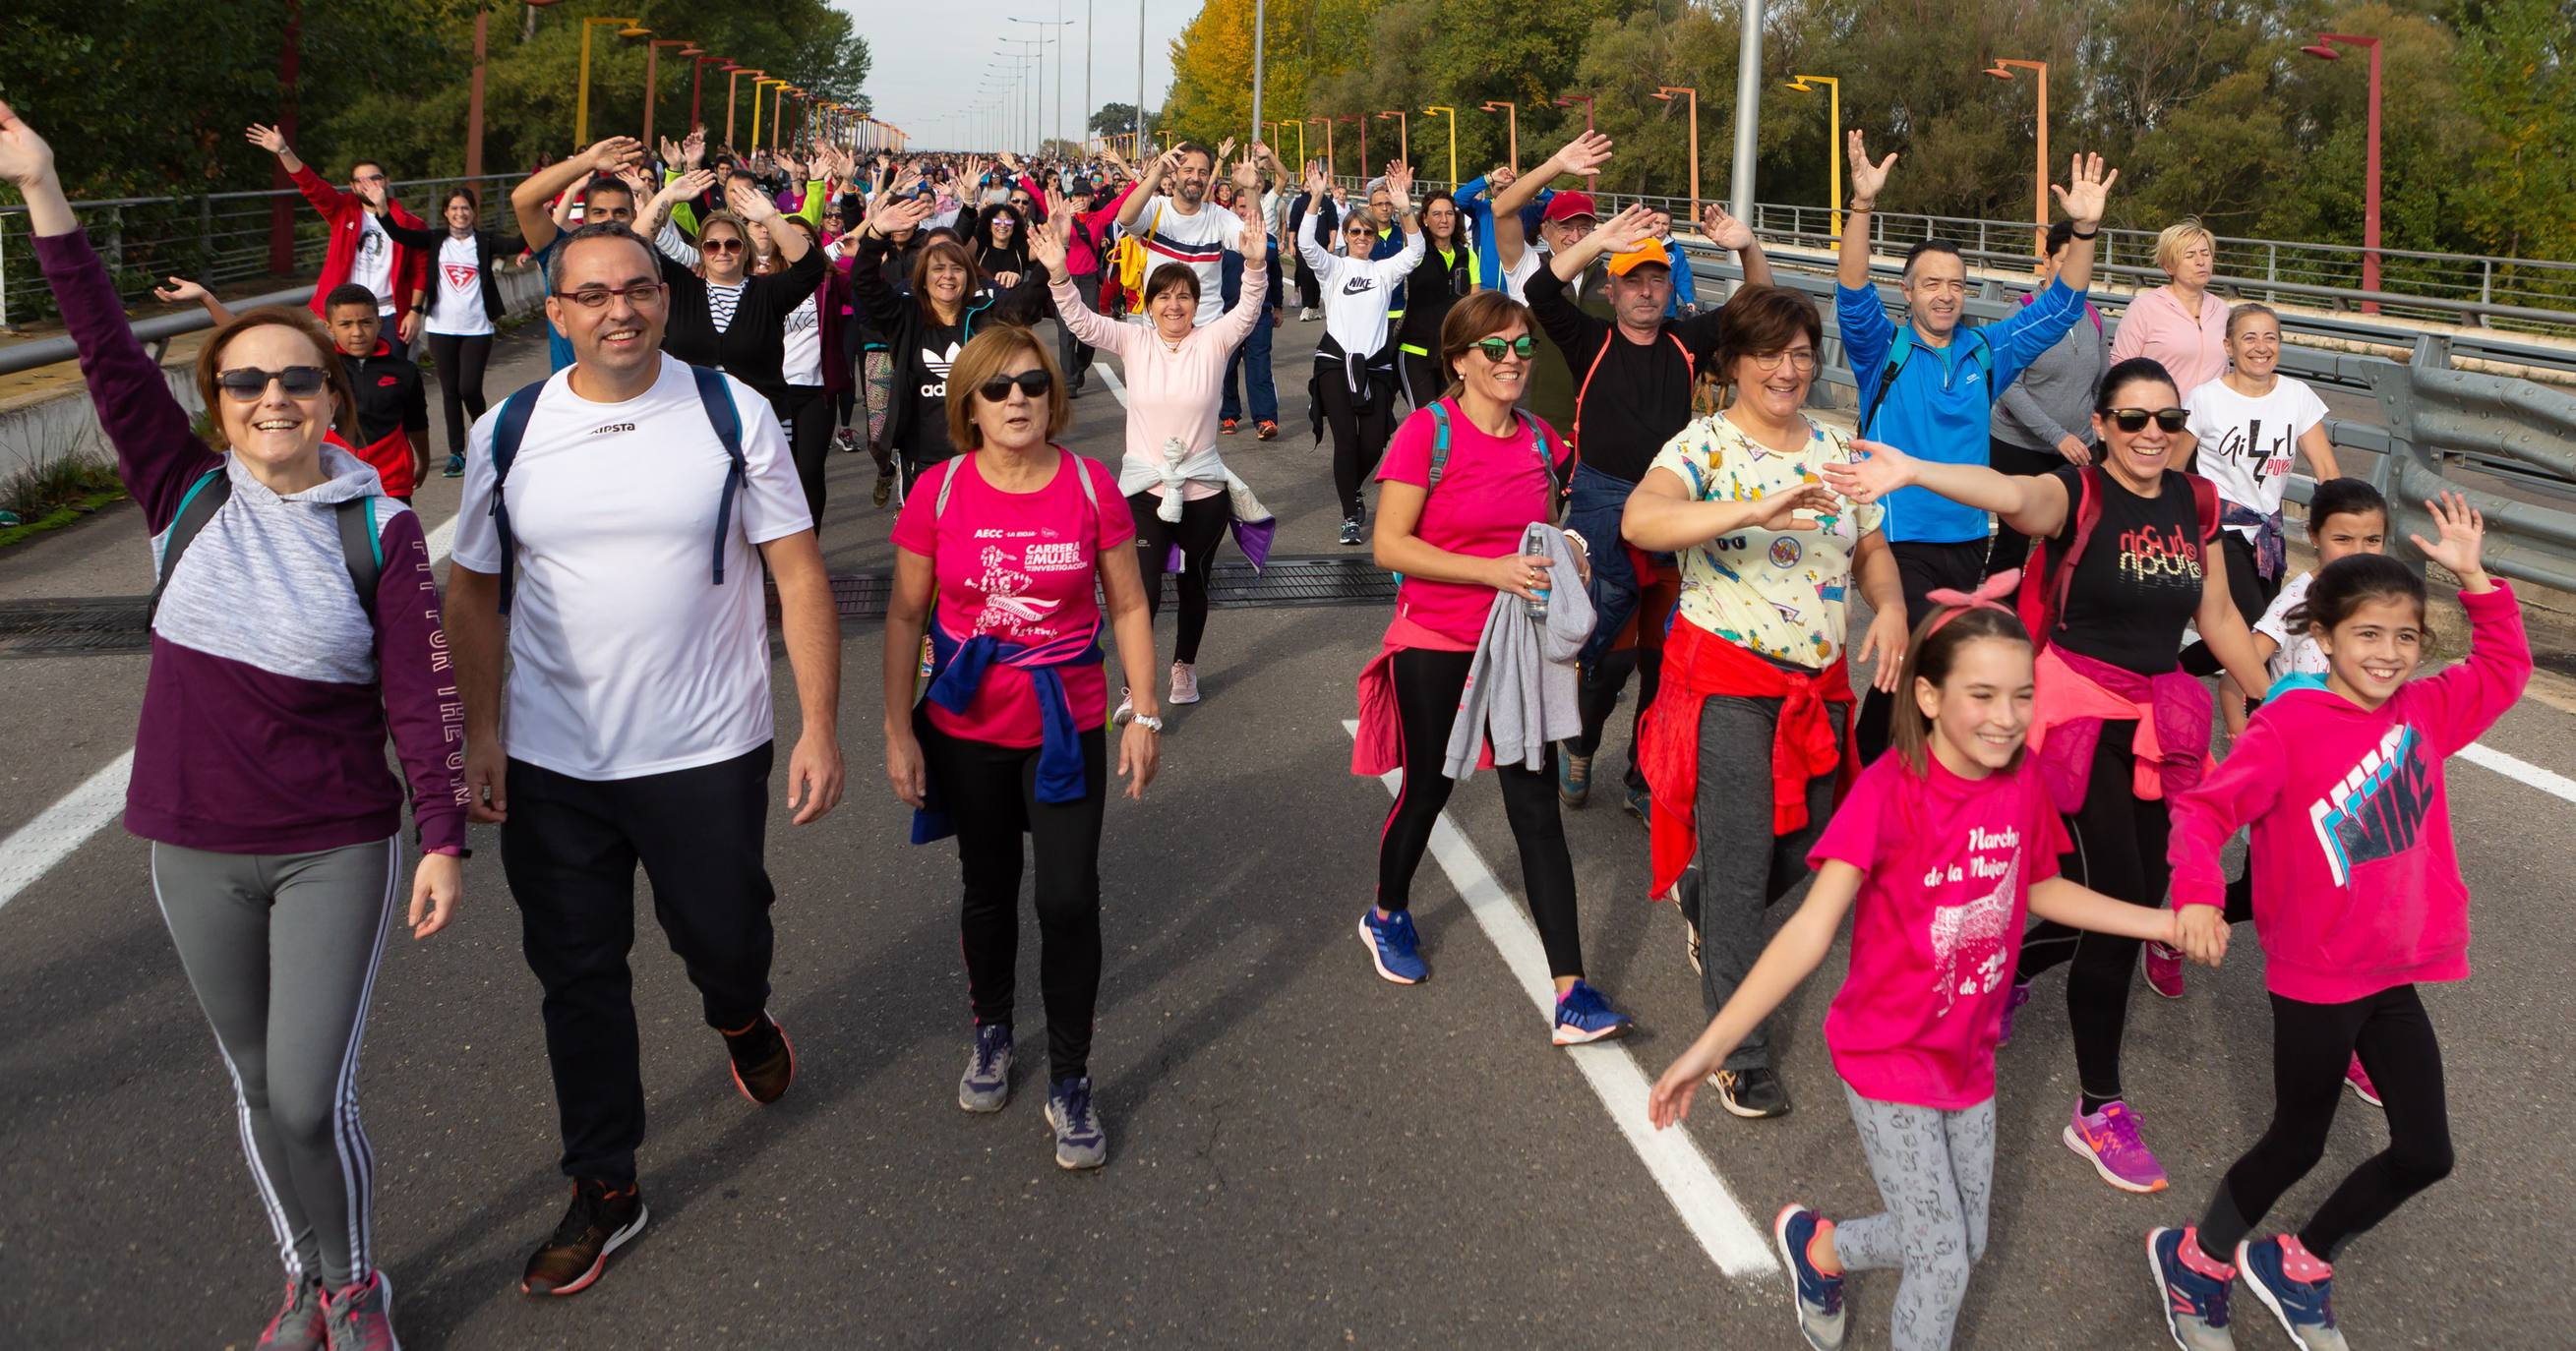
247, 383
2135, 419
1801, 360
1495, 349
719, 246
592, 297
1034, 383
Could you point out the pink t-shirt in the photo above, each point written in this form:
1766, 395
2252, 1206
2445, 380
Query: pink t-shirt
1490, 490
1018, 566
1937, 926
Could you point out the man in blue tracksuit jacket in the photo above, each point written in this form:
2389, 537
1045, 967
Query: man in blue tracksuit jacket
1929, 388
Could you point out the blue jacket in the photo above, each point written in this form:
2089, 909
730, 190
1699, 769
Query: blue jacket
1479, 210
1943, 398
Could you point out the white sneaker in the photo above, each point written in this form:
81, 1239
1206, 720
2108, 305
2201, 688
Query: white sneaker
1185, 683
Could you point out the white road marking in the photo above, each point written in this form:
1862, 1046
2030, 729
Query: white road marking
2523, 771
1117, 388
33, 849
1707, 1208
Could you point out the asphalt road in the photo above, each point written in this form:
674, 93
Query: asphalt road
1301, 1154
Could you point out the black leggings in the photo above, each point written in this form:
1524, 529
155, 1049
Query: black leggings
1424, 382
1596, 697
2011, 548
460, 381
990, 792
2311, 1044
2119, 851
805, 412
2247, 588
1359, 429
1198, 532
1427, 687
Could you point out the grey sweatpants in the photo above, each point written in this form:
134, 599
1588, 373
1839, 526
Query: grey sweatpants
1741, 867
1936, 1172
282, 950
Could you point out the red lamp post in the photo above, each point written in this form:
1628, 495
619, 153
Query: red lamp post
1362, 119
2324, 50
2003, 69
1666, 94
652, 87
1568, 101
698, 84
733, 91
1403, 134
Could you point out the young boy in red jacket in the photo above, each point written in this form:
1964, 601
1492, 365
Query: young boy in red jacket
393, 408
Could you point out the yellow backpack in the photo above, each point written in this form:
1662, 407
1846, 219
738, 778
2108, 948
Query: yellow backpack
1130, 260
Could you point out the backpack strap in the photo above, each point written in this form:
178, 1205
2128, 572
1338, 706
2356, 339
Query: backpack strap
1538, 445
715, 393
1897, 352
947, 481
1439, 442
2204, 501
204, 498
362, 548
507, 433
2088, 514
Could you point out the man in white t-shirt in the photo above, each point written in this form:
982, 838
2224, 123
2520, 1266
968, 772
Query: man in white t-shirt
1184, 226
637, 725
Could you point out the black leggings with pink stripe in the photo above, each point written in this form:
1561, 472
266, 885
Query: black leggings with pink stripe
1427, 687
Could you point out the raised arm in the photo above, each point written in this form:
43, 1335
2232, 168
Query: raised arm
1851, 262
1047, 249
1727, 232
528, 200
1585, 154
2089, 186
1397, 266
1147, 186
180, 291
2035, 505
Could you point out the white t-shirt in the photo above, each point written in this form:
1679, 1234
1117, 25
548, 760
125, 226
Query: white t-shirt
372, 266
803, 364
1516, 279
2247, 445
2297, 653
1201, 241
625, 659
459, 308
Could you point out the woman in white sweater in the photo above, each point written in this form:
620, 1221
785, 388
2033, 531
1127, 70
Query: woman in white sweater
1354, 384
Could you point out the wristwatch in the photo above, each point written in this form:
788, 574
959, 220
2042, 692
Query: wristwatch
1148, 722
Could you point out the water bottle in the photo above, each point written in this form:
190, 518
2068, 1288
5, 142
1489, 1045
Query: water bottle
1533, 546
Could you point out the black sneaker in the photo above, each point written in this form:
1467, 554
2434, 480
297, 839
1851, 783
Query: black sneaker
1756, 1092
601, 1220
1350, 530
763, 1063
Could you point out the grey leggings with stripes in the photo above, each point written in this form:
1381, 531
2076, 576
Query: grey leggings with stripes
282, 950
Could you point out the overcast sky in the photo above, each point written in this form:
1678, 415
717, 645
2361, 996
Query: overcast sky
933, 56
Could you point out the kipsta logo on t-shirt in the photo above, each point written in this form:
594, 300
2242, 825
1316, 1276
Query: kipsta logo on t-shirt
612, 429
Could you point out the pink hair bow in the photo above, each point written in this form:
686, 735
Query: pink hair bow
1989, 595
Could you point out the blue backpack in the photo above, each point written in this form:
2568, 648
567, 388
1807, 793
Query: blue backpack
715, 393
1979, 351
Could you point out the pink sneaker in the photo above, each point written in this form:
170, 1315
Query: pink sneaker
361, 1316
1185, 683
2164, 969
2108, 1139
2358, 1080
298, 1325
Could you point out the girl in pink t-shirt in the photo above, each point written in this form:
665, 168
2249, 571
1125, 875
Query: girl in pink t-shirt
1940, 851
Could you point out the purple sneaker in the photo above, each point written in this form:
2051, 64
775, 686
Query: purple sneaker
2012, 1004
2108, 1139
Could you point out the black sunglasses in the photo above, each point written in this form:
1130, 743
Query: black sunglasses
1034, 383
2135, 419
247, 383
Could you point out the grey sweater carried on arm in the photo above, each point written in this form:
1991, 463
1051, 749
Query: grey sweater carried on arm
1520, 687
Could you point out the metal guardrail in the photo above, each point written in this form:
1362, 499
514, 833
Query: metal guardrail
155, 332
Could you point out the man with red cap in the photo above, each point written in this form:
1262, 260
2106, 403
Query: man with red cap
1633, 376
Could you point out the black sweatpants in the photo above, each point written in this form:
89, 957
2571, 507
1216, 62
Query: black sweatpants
1072, 353
806, 415
1310, 286
1427, 687
569, 851
1424, 381
1198, 532
1596, 697
1360, 425
2119, 850
2247, 587
2011, 548
990, 792
2311, 1044
460, 381
1923, 568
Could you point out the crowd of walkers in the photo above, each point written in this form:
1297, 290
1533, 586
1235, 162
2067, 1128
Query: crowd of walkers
2059, 524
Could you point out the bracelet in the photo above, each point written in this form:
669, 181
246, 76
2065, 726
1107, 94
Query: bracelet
1575, 538
2088, 234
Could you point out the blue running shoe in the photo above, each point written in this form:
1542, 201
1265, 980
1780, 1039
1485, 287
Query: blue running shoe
2195, 1305
2305, 1307
1582, 1015
1819, 1297
986, 1085
1573, 778
1080, 1142
1393, 946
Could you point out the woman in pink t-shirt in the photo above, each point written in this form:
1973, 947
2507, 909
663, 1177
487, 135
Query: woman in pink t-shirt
1938, 852
1450, 523
1007, 738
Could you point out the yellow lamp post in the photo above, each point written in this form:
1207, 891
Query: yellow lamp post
1453, 140
733, 97
759, 90
581, 100
1806, 84
2002, 69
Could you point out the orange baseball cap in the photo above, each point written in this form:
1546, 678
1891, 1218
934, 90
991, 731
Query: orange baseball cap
1652, 251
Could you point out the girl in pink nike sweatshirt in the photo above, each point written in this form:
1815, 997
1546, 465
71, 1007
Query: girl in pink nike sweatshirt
2357, 898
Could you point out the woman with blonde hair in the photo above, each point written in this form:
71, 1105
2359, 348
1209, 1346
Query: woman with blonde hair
2179, 325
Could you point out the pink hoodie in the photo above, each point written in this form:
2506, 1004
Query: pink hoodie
2356, 886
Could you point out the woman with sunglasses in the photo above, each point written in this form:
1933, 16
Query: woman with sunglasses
1354, 382
1448, 270
2126, 552
1173, 478
259, 765
1007, 738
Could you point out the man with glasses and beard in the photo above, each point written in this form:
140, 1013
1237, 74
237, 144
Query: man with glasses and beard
638, 701
1183, 226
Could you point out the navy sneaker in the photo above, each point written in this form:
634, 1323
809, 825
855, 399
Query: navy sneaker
2305, 1307
1818, 1297
1394, 947
1582, 1015
986, 1085
1079, 1140
1640, 803
2195, 1305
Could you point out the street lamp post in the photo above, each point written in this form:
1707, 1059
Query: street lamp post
1568, 101
1403, 135
1300, 125
1666, 93
1453, 140
2324, 50
697, 87
759, 91
777, 114
2003, 70
581, 101
1059, 71
1806, 84
1331, 167
1511, 129
652, 93
733, 96
1362, 119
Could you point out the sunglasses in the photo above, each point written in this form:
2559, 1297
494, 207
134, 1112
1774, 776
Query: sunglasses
1495, 349
720, 246
248, 383
2135, 419
1034, 383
